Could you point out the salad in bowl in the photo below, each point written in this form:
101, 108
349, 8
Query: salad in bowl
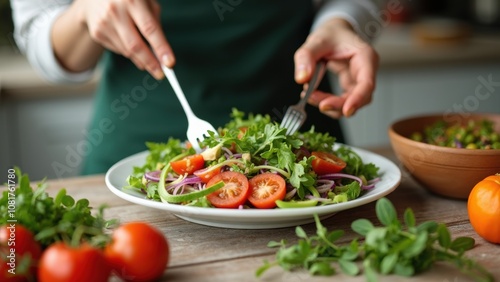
252, 163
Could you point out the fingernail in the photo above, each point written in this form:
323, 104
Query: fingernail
350, 112
301, 72
167, 60
158, 74
332, 114
326, 108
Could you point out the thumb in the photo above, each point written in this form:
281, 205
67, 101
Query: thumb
303, 65
305, 58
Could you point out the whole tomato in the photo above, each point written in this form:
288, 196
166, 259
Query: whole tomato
19, 253
483, 206
63, 263
138, 252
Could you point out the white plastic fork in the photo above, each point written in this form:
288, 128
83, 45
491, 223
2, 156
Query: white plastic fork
197, 128
296, 115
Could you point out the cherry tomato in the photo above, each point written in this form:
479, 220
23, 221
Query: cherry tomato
233, 194
61, 262
138, 252
188, 164
17, 244
265, 189
207, 173
324, 163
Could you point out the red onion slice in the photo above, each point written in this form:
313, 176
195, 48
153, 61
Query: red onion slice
153, 175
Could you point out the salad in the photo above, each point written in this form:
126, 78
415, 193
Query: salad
252, 163
475, 134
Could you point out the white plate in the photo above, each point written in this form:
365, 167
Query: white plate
252, 218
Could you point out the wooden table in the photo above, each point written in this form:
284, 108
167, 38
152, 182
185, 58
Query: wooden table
202, 253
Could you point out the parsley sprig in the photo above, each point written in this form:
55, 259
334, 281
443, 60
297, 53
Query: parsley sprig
59, 218
400, 248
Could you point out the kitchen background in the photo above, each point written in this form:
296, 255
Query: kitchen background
436, 56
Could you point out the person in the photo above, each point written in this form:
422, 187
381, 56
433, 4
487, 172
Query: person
256, 56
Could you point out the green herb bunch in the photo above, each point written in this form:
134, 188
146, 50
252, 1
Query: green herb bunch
400, 248
51, 219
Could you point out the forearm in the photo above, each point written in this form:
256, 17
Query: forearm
33, 27
73, 46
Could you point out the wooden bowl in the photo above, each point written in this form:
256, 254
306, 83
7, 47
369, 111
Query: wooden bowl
446, 171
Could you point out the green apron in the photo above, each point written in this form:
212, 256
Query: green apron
229, 53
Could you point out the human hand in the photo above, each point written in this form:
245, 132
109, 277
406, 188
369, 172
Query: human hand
352, 59
130, 28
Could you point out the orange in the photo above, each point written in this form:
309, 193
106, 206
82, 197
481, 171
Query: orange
483, 206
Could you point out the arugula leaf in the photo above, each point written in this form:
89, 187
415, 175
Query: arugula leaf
316, 141
239, 119
351, 191
355, 164
135, 182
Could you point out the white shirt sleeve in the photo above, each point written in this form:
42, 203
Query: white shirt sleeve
33, 20
363, 15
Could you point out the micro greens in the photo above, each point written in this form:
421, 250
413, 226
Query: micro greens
56, 218
400, 248
316, 141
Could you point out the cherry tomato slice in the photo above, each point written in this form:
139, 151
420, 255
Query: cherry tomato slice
233, 194
324, 163
266, 189
188, 164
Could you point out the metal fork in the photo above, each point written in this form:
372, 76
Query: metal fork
296, 115
197, 128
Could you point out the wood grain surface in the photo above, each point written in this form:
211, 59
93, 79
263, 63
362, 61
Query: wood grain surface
203, 253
